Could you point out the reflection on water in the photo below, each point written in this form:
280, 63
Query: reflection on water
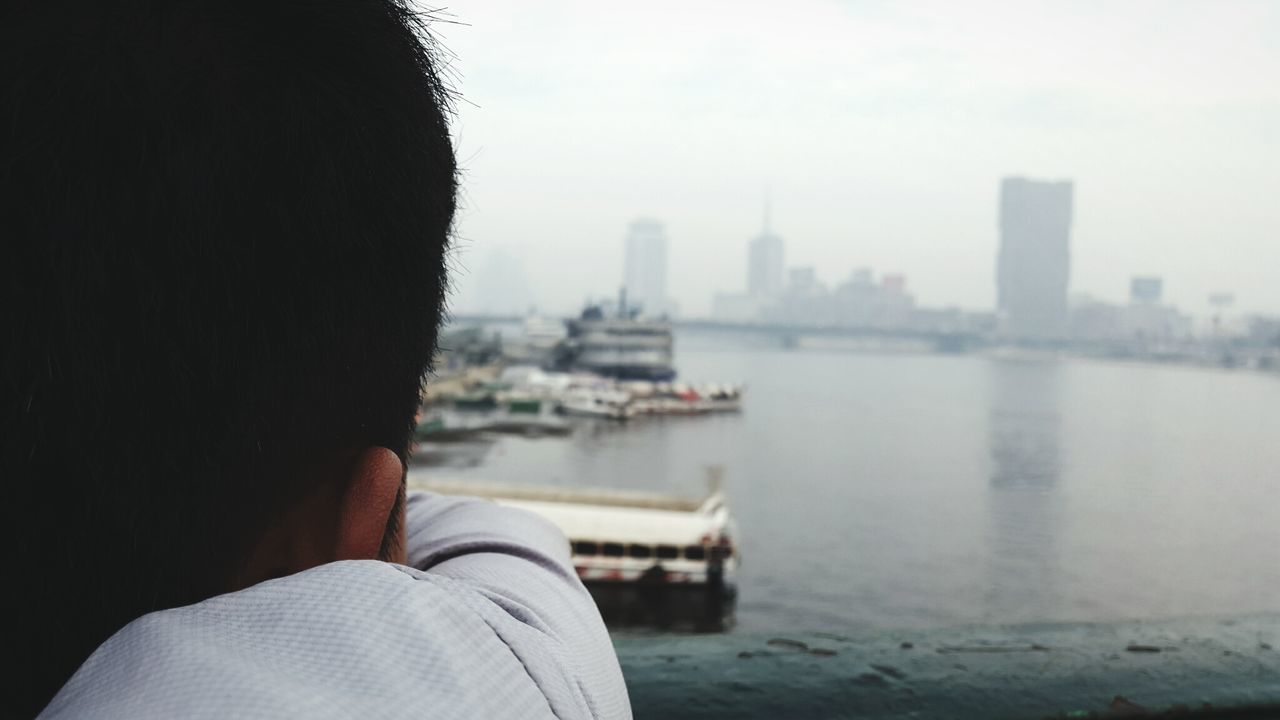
899, 490
1025, 425
1024, 429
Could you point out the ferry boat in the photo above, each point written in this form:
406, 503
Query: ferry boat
647, 558
623, 346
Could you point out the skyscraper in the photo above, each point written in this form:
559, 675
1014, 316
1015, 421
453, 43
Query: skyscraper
1034, 265
645, 269
1146, 290
765, 263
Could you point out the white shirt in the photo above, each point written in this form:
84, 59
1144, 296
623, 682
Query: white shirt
490, 621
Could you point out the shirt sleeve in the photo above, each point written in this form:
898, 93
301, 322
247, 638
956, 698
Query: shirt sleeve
521, 563
440, 528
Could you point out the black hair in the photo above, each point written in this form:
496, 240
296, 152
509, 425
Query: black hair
225, 226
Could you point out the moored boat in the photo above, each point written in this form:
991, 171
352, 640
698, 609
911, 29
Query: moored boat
622, 346
646, 558
597, 403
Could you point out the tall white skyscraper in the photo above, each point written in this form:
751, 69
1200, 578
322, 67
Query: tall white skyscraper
765, 263
645, 269
1034, 265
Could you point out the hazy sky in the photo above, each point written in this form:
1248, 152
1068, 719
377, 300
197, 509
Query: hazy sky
881, 131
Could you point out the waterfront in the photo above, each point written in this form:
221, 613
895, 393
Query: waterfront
896, 490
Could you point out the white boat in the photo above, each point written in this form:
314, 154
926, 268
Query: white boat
534, 381
645, 557
536, 345
679, 399
721, 398
597, 402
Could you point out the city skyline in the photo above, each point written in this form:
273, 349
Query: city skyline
645, 259
881, 131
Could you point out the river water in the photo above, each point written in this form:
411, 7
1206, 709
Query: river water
899, 490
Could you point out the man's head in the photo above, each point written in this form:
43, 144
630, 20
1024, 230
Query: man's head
225, 227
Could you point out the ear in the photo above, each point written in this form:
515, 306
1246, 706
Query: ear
367, 504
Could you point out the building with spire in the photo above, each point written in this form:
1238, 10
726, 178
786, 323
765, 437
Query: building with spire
766, 265
766, 269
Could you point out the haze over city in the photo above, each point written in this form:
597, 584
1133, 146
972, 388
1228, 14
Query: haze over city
879, 131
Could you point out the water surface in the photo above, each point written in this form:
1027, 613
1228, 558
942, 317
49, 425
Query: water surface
927, 490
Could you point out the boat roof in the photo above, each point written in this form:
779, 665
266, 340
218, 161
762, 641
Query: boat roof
596, 498
623, 524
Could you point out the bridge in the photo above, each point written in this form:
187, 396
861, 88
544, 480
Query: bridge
790, 334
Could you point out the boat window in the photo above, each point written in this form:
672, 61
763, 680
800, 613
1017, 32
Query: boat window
613, 550
695, 552
640, 551
585, 547
668, 552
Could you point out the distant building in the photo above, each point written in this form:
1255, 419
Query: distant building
1222, 300
861, 301
1146, 290
894, 283
804, 301
802, 281
1034, 265
1265, 331
1151, 322
1092, 320
645, 268
1140, 326
894, 304
499, 286
765, 281
856, 298
765, 265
